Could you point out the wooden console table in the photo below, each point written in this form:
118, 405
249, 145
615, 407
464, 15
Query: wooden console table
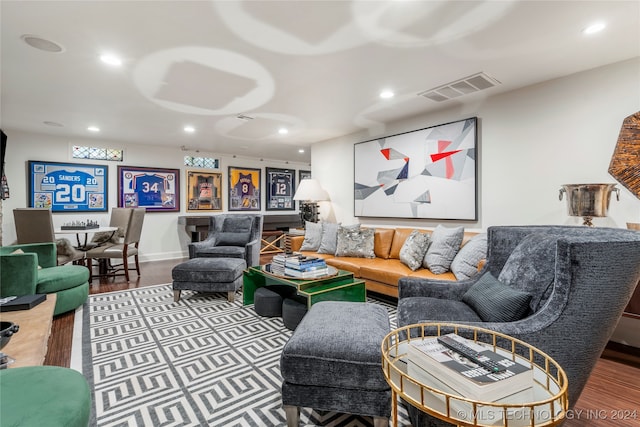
29, 345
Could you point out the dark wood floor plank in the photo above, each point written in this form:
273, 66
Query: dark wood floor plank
613, 387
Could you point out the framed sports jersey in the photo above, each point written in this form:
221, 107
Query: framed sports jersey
281, 184
155, 189
204, 191
244, 189
68, 187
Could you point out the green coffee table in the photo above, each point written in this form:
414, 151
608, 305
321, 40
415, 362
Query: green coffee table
341, 286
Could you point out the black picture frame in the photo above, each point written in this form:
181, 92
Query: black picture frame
280, 189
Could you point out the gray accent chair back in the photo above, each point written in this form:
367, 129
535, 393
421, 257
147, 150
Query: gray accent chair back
231, 236
591, 272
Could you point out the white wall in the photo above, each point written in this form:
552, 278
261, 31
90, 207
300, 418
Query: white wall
162, 237
531, 141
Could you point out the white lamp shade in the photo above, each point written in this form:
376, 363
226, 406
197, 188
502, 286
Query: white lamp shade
310, 190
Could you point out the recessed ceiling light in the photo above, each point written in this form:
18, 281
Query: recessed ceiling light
189, 129
386, 94
41, 43
93, 129
594, 28
301, 150
283, 131
110, 59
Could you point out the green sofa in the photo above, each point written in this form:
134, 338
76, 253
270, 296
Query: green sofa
35, 272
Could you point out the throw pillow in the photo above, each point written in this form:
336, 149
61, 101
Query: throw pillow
465, 264
445, 244
413, 250
228, 238
496, 302
530, 267
329, 240
312, 236
237, 223
355, 242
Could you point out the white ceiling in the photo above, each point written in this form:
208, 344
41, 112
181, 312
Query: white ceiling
315, 67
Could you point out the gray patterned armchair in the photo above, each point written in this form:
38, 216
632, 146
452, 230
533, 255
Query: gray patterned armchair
231, 236
579, 279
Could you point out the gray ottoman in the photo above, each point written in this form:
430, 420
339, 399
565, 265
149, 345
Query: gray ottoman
267, 303
292, 313
333, 362
208, 275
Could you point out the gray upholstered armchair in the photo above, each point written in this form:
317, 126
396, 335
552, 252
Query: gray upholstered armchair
579, 280
231, 236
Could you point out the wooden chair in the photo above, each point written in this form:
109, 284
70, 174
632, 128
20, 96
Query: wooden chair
35, 225
124, 250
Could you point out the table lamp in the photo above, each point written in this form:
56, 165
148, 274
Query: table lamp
308, 193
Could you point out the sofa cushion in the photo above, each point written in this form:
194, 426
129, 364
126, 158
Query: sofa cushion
425, 273
530, 267
382, 239
427, 309
465, 263
414, 248
496, 302
312, 236
399, 237
329, 240
355, 242
386, 271
445, 244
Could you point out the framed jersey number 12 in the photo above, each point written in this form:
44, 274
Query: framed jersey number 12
281, 184
157, 190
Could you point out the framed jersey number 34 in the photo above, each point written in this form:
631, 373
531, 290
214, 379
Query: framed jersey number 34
155, 189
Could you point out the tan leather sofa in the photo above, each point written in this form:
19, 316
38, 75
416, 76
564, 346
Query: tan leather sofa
381, 274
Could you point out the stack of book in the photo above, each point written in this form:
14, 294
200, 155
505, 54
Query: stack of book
305, 267
278, 263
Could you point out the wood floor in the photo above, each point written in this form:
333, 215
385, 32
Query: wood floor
612, 392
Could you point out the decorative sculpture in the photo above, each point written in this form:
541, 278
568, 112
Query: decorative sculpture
625, 162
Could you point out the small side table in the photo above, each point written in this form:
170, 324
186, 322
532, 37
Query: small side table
271, 242
547, 404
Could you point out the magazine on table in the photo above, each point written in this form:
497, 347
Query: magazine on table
465, 377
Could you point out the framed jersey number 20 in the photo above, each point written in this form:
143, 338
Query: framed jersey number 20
155, 189
68, 187
281, 184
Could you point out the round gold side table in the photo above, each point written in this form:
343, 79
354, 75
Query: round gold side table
544, 404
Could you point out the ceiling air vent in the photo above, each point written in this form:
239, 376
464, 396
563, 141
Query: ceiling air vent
473, 83
244, 117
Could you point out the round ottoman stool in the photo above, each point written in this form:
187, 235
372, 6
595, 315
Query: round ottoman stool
267, 303
292, 313
44, 396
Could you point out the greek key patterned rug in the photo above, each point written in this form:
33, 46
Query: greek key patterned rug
200, 362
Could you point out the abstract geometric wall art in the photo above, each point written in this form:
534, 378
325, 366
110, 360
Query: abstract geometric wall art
429, 173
